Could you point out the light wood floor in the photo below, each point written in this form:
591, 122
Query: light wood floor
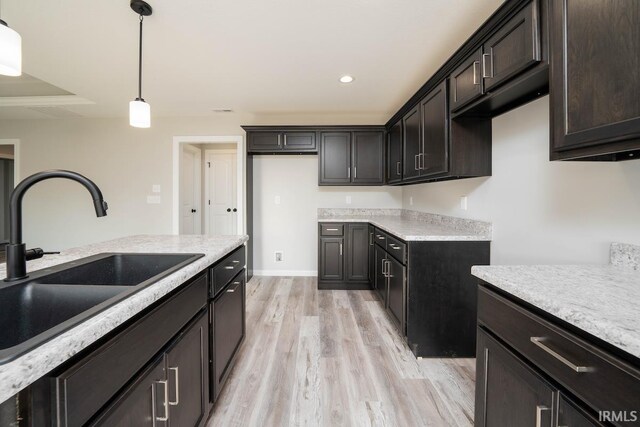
332, 358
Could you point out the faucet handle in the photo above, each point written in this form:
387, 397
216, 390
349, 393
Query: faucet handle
34, 253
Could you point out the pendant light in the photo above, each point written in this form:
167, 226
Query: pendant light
10, 51
139, 110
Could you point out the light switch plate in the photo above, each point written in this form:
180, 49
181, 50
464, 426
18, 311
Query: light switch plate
155, 188
464, 203
277, 200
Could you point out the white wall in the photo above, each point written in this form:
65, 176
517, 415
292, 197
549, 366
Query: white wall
542, 211
291, 226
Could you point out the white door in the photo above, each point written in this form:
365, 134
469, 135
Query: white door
190, 218
222, 193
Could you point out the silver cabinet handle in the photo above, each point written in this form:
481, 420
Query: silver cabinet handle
476, 81
539, 342
229, 267
380, 237
485, 74
370, 239
165, 383
398, 169
332, 229
384, 270
416, 162
421, 162
231, 290
340, 249
355, 172
235, 261
349, 172
278, 140
396, 247
285, 139
388, 268
177, 389
539, 410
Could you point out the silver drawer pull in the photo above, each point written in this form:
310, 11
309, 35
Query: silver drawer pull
177, 389
235, 261
166, 401
396, 247
539, 410
229, 267
332, 229
231, 290
539, 342
380, 237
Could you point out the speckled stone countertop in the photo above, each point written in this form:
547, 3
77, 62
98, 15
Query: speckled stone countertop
412, 225
601, 300
26, 369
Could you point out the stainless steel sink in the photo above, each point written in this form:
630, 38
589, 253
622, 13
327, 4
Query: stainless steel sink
50, 301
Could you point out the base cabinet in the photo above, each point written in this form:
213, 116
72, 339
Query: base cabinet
343, 255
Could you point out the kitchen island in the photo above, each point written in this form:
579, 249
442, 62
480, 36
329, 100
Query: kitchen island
102, 330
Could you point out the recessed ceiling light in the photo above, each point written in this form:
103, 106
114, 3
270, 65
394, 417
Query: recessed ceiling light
346, 79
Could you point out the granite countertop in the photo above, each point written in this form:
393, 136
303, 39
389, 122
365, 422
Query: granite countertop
601, 300
19, 373
411, 225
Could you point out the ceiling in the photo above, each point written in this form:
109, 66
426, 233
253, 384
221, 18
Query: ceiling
253, 56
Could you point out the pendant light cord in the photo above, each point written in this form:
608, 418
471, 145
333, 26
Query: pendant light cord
140, 61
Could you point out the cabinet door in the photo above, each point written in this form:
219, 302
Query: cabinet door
357, 252
368, 157
412, 143
372, 258
508, 393
435, 132
142, 403
513, 49
335, 158
396, 292
331, 258
595, 74
571, 415
264, 141
299, 141
394, 154
466, 81
381, 278
228, 329
187, 374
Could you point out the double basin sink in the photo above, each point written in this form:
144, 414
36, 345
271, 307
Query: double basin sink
53, 300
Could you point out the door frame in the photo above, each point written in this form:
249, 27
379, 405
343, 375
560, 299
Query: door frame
240, 170
207, 173
197, 184
16, 157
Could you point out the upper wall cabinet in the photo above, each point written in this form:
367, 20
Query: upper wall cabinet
279, 140
353, 157
595, 79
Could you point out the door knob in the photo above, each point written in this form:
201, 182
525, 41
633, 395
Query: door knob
193, 211
228, 209
235, 210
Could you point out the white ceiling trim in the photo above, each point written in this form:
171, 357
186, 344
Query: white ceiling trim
43, 101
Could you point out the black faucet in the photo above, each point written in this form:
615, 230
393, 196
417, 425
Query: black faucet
17, 254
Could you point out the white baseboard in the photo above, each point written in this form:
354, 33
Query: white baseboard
298, 273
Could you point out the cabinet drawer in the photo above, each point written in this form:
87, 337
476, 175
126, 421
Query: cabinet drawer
595, 376
380, 237
331, 229
397, 248
226, 269
85, 387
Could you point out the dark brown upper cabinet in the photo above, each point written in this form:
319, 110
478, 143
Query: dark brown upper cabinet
434, 122
367, 154
394, 154
351, 157
466, 81
595, 80
411, 144
513, 48
272, 140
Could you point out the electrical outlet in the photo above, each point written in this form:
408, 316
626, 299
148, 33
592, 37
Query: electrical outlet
276, 200
411, 201
155, 188
278, 256
153, 200
348, 200
464, 203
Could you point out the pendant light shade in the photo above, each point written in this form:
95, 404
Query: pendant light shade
10, 51
139, 110
139, 114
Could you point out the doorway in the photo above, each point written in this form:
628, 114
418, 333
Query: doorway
9, 177
221, 190
213, 186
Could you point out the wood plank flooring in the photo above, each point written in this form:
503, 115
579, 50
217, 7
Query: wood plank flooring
333, 358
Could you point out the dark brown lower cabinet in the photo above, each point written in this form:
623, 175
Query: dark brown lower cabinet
508, 393
331, 262
571, 414
396, 292
228, 330
357, 252
372, 257
172, 390
343, 255
381, 278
